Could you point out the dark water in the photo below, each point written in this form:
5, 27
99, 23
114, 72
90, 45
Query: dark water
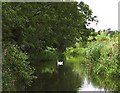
66, 78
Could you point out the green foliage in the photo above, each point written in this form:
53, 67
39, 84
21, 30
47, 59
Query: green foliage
16, 69
49, 54
105, 51
93, 51
102, 55
42, 25
100, 58
109, 60
102, 37
75, 51
102, 81
46, 30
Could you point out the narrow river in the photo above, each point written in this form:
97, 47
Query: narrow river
65, 78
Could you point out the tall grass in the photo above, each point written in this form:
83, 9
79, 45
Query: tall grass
104, 54
100, 59
100, 54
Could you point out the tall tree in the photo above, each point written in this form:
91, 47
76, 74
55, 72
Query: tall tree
40, 25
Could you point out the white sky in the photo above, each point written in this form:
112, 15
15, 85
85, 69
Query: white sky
106, 11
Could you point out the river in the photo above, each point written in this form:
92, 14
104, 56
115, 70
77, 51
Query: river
69, 77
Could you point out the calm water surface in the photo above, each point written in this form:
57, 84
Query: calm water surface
63, 78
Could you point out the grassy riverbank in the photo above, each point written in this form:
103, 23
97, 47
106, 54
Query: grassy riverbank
100, 59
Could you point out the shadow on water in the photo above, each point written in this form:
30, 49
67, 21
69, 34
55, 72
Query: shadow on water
62, 78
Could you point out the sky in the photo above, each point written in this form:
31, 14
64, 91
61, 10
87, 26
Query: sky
106, 11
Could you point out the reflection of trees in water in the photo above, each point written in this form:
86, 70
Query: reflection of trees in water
101, 81
65, 78
62, 80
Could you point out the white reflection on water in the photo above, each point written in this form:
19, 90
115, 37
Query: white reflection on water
87, 86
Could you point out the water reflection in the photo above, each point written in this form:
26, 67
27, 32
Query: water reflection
88, 86
63, 79
108, 83
70, 77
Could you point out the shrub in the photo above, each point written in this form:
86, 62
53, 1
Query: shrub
16, 69
105, 54
93, 51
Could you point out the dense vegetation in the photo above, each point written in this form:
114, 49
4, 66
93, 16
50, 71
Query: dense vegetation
103, 53
101, 59
34, 28
16, 69
35, 33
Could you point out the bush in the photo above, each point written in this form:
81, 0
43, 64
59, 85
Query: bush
105, 53
109, 59
17, 73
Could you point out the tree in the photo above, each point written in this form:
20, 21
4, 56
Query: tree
41, 25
